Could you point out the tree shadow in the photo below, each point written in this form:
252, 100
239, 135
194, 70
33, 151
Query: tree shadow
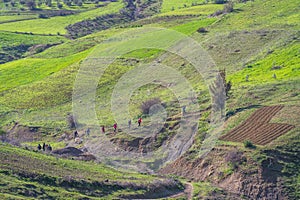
234, 112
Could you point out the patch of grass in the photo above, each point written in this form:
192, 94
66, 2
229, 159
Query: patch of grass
68, 48
254, 15
143, 54
193, 26
61, 167
249, 144
13, 39
25, 173
28, 70
169, 5
6, 6
11, 18
203, 189
205, 9
58, 24
287, 59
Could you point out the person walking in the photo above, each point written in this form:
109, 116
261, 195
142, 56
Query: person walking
44, 146
139, 121
115, 127
103, 129
88, 131
129, 123
49, 148
183, 110
75, 134
39, 147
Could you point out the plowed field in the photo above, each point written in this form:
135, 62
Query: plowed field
257, 128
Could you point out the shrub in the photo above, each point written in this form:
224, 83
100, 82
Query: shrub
227, 85
217, 13
235, 158
2, 132
31, 4
43, 16
220, 1
71, 121
202, 30
228, 8
145, 107
12, 3
249, 144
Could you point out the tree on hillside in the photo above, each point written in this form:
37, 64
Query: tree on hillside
220, 1
31, 4
227, 85
130, 9
71, 121
228, 7
59, 5
49, 3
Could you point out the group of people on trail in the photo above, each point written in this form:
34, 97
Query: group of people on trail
45, 147
115, 126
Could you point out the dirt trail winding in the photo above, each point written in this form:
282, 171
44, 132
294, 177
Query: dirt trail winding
188, 192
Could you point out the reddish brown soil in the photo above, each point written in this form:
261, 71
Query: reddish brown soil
255, 182
257, 128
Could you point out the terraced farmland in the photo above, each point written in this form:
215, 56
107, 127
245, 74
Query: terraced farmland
257, 128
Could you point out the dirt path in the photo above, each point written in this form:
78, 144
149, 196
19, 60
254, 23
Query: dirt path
188, 192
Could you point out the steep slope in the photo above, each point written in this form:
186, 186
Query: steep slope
254, 42
31, 174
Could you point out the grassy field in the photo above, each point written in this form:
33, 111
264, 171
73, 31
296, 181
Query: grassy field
191, 27
10, 18
52, 61
28, 70
56, 25
205, 10
21, 7
282, 64
25, 173
169, 5
13, 39
258, 39
254, 15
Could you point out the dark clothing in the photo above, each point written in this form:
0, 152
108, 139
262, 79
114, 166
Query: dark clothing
129, 123
115, 127
49, 148
140, 121
75, 134
88, 132
44, 146
39, 147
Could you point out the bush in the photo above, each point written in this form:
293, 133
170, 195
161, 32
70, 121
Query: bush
71, 121
2, 132
228, 8
43, 16
220, 1
145, 107
249, 144
202, 30
31, 4
217, 13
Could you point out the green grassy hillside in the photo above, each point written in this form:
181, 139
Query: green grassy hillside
28, 174
258, 40
57, 24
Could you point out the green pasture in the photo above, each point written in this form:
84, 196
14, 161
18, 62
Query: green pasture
57, 24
